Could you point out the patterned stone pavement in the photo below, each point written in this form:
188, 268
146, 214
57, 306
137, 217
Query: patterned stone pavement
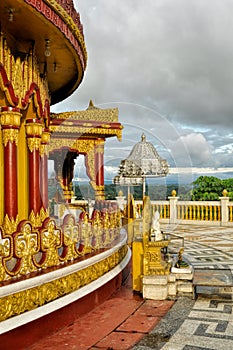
202, 324
207, 322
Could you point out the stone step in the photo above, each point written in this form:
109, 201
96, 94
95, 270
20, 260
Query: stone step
218, 282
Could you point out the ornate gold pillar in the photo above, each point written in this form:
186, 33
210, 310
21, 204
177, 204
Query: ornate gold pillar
34, 134
44, 169
99, 169
10, 123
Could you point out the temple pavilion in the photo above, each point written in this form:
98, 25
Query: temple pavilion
50, 272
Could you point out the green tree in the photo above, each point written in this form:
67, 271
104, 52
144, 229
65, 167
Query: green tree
207, 188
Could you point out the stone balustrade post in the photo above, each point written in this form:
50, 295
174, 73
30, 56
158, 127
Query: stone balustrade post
224, 208
173, 207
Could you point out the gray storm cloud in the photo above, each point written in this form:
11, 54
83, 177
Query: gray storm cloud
174, 57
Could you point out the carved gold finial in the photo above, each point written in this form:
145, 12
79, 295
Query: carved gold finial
91, 104
120, 193
224, 193
173, 193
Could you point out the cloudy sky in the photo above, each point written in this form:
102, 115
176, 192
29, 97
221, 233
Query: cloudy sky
168, 67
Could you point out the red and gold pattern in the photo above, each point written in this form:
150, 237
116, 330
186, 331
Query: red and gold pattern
30, 248
42, 61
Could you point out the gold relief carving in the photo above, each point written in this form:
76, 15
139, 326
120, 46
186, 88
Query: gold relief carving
80, 130
10, 225
153, 262
44, 143
10, 118
97, 230
51, 241
29, 299
33, 143
44, 214
82, 146
45, 137
86, 233
59, 143
96, 114
26, 245
37, 219
17, 80
34, 129
10, 135
5, 246
71, 237
22, 73
106, 126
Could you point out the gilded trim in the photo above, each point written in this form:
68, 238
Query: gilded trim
10, 135
96, 114
30, 299
33, 143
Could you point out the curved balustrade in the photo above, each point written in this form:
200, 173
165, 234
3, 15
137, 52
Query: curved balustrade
29, 250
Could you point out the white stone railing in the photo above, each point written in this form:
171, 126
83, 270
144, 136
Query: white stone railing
175, 211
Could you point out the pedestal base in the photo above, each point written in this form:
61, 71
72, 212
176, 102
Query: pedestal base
178, 282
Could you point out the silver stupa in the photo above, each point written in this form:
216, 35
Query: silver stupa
142, 162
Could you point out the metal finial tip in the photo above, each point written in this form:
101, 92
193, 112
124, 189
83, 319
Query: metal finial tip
143, 137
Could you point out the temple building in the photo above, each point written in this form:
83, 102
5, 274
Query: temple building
50, 271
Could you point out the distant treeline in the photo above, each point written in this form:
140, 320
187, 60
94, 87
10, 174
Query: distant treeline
156, 192
204, 188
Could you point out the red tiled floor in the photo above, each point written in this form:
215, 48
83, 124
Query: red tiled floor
118, 323
139, 323
119, 341
157, 308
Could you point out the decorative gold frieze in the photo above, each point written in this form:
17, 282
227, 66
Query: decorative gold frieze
10, 135
94, 114
26, 300
21, 73
81, 130
34, 129
9, 118
39, 243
